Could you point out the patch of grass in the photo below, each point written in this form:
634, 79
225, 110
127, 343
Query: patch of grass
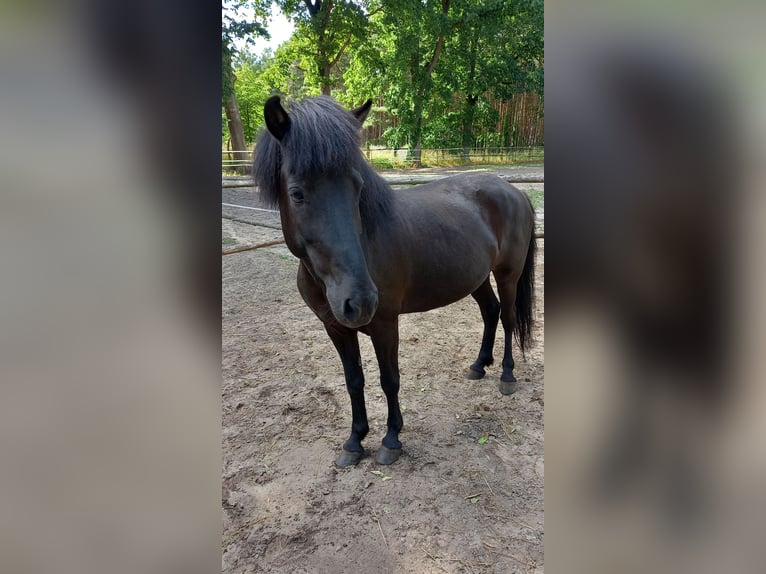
537, 197
389, 159
382, 163
228, 241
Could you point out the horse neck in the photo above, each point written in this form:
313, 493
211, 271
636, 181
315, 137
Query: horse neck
379, 189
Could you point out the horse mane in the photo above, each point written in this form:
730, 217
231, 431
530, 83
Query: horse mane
323, 138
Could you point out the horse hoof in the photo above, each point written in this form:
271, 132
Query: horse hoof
348, 458
474, 375
508, 387
387, 455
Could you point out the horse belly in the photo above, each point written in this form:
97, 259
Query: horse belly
434, 286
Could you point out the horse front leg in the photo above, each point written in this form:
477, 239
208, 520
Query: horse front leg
385, 339
346, 341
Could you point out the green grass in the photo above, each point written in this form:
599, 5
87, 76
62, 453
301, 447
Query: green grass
387, 158
537, 197
382, 163
229, 241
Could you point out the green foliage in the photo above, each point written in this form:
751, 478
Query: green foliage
324, 31
537, 197
235, 25
411, 36
254, 86
442, 73
382, 163
496, 53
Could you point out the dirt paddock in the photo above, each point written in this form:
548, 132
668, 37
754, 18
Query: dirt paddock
467, 493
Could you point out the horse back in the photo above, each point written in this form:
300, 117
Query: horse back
445, 238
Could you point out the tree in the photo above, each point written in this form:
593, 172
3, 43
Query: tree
235, 25
497, 50
412, 36
443, 73
324, 31
256, 82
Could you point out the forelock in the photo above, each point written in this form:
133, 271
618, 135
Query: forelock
323, 137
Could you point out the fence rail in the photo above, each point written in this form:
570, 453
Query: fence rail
390, 157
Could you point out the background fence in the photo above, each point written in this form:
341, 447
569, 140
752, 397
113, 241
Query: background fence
237, 161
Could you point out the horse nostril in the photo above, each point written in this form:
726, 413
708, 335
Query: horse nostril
359, 308
348, 310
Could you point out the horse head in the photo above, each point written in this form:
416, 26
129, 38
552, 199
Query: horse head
319, 200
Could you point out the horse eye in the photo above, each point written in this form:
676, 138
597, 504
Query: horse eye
296, 196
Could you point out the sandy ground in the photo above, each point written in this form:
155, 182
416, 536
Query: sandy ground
467, 493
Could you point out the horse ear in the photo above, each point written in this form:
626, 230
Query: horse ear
362, 111
276, 117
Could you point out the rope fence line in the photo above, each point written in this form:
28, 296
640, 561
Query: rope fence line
251, 247
538, 235
253, 223
242, 248
250, 207
404, 180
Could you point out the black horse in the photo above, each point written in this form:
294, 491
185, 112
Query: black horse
369, 253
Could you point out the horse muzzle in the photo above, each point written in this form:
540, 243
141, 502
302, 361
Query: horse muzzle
357, 309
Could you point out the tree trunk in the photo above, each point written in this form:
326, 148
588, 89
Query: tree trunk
325, 81
470, 109
234, 120
416, 145
416, 153
470, 100
422, 93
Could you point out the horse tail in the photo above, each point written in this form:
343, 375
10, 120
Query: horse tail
525, 297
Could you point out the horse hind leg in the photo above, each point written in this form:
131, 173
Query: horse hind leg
506, 287
490, 314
